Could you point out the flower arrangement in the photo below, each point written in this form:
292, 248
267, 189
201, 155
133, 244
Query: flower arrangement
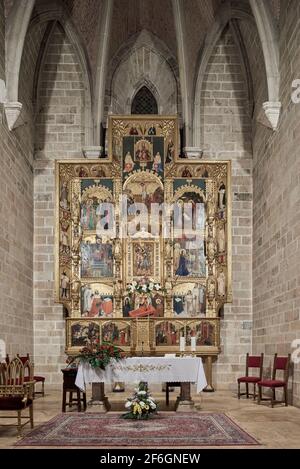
99, 356
146, 286
141, 405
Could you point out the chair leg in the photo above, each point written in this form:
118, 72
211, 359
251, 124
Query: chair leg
285, 396
84, 401
254, 391
273, 399
19, 423
167, 394
31, 415
43, 388
259, 395
78, 401
239, 390
70, 399
64, 401
247, 390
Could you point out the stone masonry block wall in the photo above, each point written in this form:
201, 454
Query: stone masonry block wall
227, 135
16, 245
2, 41
276, 224
16, 232
59, 135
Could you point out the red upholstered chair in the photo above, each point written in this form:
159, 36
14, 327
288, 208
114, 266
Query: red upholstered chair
36, 378
255, 362
280, 364
15, 394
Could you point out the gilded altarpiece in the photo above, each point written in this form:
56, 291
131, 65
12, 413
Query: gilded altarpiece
143, 214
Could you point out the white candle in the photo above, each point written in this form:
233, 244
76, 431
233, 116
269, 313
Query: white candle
182, 344
193, 344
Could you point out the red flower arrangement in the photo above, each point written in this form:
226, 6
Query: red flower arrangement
99, 356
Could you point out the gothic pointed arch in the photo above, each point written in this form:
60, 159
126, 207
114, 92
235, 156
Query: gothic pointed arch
144, 102
143, 60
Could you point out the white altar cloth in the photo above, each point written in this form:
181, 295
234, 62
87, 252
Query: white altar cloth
149, 369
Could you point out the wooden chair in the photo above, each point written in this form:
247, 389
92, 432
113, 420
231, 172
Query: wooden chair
283, 364
36, 378
255, 362
69, 377
15, 394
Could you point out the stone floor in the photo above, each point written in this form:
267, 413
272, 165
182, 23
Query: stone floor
273, 428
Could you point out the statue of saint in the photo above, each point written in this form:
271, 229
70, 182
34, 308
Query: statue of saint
221, 238
221, 282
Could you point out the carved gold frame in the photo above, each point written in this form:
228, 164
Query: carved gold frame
142, 335
142, 330
117, 125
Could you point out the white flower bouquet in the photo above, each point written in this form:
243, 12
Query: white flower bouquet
141, 405
146, 286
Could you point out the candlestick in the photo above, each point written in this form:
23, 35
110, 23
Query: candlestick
193, 344
182, 344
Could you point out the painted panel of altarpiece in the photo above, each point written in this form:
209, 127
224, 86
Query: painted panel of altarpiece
143, 216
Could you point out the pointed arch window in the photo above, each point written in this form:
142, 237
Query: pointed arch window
144, 102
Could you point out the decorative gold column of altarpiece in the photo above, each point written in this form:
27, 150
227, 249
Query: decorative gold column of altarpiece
92, 271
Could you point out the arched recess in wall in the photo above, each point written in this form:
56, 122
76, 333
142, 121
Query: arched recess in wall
225, 16
53, 13
143, 61
144, 102
16, 28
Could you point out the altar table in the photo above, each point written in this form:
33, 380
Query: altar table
183, 370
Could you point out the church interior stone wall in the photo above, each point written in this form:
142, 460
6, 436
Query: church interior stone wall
53, 124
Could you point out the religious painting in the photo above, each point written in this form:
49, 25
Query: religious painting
96, 258
143, 259
146, 153
98, 171
204, 331
143, 305
97, 300
189, 258
143, 194
83, 332
117, 333
81, 170
189, 300
168, 333
189, 207
162, 132
143, 150
96, 204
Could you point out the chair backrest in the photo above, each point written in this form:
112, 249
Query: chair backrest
12, 377
281, 364
254, 361
3, 374
24, 359
28, 366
